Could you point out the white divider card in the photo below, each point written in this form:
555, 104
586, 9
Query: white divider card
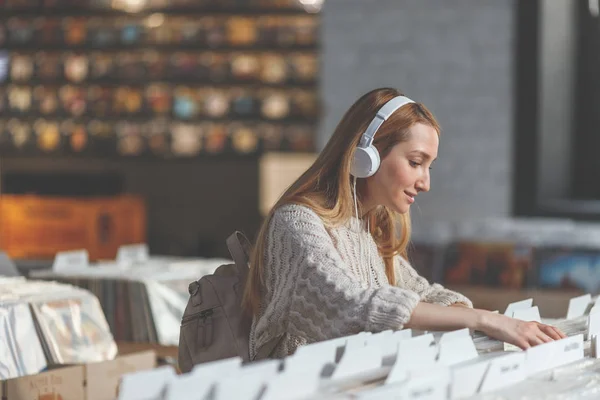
71, 260
189, 387
452, 335
7, 266
593, 323
403, 334
376, 339
594, 347
578, 306
146, 385
317, 353
467, 378
554, 354
504, 371
456, 349
597, 301
426, 385
357, 341
247, 382
218, 368
356, 361
527, 303
292, 386
133, 254
528, 314
198, 383
414, 354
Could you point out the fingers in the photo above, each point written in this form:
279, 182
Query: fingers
553, 332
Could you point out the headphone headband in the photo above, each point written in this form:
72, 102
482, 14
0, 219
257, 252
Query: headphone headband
382, 115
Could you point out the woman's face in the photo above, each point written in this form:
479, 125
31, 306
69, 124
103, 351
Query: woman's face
404, 172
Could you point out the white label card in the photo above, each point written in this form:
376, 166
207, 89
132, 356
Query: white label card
133, 254
578, 306
71, 260
528, 314
527, 303
146, 384
504, 371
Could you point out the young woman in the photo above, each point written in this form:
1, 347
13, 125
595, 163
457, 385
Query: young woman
330, 258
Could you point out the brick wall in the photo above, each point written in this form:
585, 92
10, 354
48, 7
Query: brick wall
455, 56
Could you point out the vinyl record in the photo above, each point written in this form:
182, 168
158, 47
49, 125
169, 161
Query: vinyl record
130, 141
19, 98
305, 67
20, 31
130, 66
48, 31
214, 31
215, 102
48, 66
19, 132
21, 67
271, 136
4, 65
3, 33
102, 66
73, 99
185, 139
216, 138
300, 138
158, 98
77, 135
155, 65
101, 32
157, 131
46, 99
74, 31
185, 105
275, 104
48, 135
76, 67
274, 68
244, 104
245, 67
131, 32
184, 65
243, 138
100, 100
241, 31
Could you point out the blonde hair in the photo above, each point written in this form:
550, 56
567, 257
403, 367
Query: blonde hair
326, 187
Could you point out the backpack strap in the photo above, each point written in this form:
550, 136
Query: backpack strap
239, 247
267, 348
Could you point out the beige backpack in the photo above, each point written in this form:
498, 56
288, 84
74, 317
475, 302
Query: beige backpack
214, 324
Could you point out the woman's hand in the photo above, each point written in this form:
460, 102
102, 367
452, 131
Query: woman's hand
523, 334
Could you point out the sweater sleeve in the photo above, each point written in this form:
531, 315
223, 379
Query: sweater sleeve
327, 300
408, 278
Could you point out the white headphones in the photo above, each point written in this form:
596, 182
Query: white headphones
366, 157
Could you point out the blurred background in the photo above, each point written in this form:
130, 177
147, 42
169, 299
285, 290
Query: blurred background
176, 122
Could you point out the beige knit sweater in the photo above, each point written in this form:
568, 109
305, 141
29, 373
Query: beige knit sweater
324, 283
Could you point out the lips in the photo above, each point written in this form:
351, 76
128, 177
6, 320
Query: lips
410, 196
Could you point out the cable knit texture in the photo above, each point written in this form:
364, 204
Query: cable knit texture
324, 283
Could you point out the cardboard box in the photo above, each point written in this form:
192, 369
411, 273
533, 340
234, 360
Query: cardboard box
162, 352
277, 171
103, 378
59, 384
94, 381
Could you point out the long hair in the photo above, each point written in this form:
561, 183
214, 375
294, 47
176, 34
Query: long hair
326, 187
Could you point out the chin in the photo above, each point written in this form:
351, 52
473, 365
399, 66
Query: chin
401, 208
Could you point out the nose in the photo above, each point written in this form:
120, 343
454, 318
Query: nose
423, 184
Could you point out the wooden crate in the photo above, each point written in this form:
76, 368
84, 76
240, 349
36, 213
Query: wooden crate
36, 227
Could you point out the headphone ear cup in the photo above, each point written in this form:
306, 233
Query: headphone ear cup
366, 162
